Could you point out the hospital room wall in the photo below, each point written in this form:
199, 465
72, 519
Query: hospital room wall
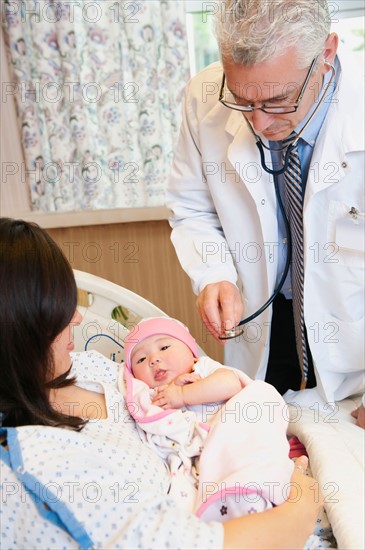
140, 257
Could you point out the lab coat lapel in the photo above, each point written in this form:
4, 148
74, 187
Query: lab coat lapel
328, 161
340, 134
244, 155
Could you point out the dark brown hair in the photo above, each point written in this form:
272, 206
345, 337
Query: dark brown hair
38, 298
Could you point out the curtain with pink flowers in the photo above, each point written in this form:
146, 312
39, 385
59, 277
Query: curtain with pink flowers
98, 87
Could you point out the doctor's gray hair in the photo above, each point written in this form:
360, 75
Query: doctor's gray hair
253, 31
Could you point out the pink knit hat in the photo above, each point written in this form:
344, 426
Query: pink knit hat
157, 325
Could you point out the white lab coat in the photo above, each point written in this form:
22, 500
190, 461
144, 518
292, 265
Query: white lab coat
224, 220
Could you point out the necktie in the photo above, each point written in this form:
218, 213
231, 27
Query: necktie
293, 195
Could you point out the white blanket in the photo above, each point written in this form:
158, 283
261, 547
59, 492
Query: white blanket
335, 446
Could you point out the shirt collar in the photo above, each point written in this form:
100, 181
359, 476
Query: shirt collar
310, 134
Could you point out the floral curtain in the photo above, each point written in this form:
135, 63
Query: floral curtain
98, 87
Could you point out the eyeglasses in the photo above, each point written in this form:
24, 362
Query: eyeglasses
267, 108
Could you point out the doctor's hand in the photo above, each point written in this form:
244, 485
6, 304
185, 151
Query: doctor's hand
220, 306
359, 414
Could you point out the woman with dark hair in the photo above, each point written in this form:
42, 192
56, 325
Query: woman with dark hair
68, 438
37, 302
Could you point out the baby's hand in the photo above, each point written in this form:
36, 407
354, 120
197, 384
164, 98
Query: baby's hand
187, 378
169, 397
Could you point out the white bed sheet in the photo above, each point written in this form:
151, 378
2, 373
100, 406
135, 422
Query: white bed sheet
336, 450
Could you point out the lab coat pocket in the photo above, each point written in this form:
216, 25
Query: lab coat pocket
346, 345
346, 230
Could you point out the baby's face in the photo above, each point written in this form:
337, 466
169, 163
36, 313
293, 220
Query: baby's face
159, 359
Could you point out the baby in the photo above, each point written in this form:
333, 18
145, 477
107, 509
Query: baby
201, 415
162, 353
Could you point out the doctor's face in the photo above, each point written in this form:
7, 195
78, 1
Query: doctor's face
277, 81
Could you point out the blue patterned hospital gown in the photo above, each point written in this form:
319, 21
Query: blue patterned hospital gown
99, 488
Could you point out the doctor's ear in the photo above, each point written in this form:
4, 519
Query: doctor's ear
330, 49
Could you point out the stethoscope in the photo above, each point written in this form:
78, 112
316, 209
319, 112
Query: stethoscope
237, 331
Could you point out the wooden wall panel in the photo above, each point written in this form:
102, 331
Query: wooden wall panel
138, 256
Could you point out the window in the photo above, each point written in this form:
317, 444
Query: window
351, 32
203, 48
347, 16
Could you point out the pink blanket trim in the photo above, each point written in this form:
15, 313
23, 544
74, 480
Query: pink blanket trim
221, 495
133, 407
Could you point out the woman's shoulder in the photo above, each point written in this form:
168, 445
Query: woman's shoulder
92, 366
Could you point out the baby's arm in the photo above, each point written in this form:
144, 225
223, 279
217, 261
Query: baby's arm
218, 386
187, 378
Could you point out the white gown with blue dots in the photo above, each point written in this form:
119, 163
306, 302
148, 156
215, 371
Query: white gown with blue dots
98, 488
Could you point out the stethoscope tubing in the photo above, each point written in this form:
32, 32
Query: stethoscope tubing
284, 274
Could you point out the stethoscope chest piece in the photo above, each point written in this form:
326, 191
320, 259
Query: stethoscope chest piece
235, 332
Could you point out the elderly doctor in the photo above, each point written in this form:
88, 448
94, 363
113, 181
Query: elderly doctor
267, 200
